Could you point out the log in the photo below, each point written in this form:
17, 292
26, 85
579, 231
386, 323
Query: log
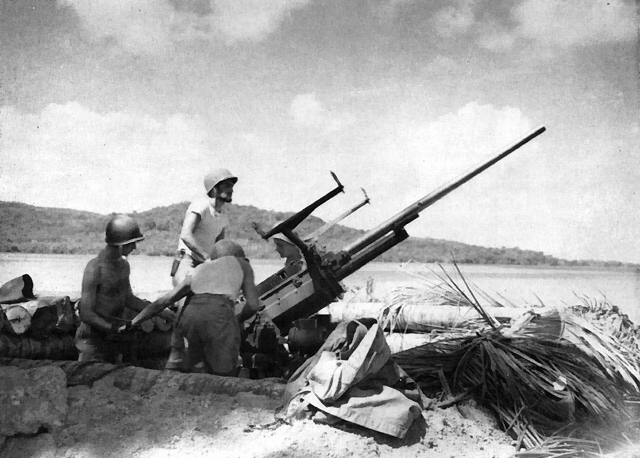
50, 314
43, 316
418, 317
147, 326
16, 319
400, 342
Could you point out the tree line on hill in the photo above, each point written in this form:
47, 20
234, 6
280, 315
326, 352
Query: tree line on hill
29, 229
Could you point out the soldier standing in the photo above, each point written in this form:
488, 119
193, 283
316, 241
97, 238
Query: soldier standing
204, 224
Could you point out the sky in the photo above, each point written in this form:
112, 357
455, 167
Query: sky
125, 105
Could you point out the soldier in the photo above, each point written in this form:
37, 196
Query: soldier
204, 224
106, 292
293, 259
208, 320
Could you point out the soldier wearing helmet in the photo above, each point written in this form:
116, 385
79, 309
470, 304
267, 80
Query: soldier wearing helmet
204, 224
208, 322
106, 293
293, 259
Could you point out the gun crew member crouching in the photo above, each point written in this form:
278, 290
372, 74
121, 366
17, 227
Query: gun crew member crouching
106, 292
208, 320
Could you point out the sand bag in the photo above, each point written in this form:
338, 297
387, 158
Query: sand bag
20, 289
54, 347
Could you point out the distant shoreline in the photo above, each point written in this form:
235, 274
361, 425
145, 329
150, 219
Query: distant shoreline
575, 268
29, 229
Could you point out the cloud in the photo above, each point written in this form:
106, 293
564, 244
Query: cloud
153, 26
455, 140
412, 156
550, 195
139, 26
70, 156
452, 21
388, 9
442, 65
496, 37
307, 111
251, 19
547, 23
576, 22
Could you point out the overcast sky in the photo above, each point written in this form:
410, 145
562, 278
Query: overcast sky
123, 105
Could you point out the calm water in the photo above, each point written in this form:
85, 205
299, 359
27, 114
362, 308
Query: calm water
520, 285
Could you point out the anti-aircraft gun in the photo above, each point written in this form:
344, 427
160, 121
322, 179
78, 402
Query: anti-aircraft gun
289, 300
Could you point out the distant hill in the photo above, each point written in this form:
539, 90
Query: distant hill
29, 229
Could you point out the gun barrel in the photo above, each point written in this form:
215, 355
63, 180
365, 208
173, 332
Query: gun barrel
412, 212
313, 237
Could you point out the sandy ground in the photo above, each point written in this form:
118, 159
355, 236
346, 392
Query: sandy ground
162, 420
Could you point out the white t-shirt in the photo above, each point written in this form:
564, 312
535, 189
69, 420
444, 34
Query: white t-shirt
220, 276
211, 225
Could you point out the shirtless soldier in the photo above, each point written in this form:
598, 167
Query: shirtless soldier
106, 292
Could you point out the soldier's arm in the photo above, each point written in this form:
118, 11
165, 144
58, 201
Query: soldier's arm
159, 305
132, 301
250, 292
88, 300
191, 222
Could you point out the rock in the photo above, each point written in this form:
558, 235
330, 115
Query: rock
41, 446
32, 400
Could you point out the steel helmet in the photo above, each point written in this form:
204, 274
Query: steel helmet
216, 177
281, 236
121, 230
226, 248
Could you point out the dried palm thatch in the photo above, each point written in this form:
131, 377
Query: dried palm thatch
535, 386
610, 319
542, 375
564, 447
440, 291
567, 447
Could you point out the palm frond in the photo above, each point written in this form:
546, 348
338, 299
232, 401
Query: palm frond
545, 372
562, 447
519, 379
617, 360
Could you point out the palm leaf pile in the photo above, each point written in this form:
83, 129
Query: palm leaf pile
609, 318
542, 376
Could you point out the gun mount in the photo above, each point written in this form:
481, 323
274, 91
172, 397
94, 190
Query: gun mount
290, 298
